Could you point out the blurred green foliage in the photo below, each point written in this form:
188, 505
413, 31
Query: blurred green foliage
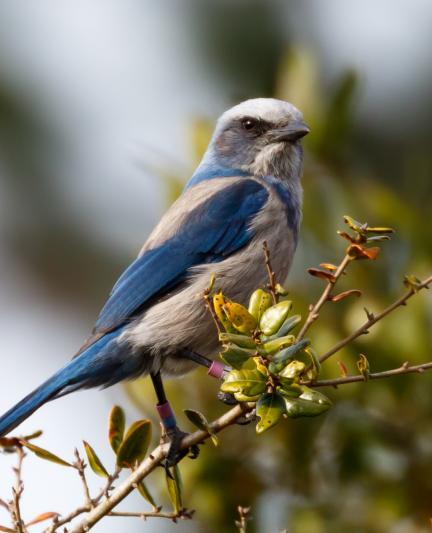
361, 467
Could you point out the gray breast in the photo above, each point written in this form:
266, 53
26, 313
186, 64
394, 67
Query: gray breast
181, 320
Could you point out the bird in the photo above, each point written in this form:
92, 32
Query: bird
246, 190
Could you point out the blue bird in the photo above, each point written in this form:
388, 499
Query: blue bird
245, 190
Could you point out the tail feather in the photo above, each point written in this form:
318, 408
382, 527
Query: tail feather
93, 367
28, 405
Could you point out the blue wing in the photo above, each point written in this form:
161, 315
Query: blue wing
211, 232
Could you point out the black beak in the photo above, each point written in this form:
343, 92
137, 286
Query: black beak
291, 132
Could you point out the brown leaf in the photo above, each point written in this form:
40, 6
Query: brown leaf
9, 442
323, 274
42, 517
346, 236
356, 251
345, 294
7, 529
343, 369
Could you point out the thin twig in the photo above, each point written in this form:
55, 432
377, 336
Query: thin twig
315, 309
373, 319
155, 459
17, 491
404, 369
271, 274
80, 467
209, 305
183, 515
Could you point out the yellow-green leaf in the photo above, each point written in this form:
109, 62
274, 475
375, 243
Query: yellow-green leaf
135, 444
44, 454
244, 341
259, 302
248, 382
363, 366
174, 485
278, 344
94, 461
270, 407
292, 369
273, 318
240, 317
235, 356
116, 427
219, 301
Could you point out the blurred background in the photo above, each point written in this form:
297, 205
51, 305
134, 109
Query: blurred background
105, 109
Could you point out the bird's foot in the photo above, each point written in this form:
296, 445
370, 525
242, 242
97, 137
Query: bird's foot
174, 436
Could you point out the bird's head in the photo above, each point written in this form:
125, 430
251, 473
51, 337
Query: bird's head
261, 136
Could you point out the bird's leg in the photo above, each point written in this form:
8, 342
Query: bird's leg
215, 368
173, 433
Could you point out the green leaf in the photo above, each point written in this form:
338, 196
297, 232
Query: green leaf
143, 490
174, 485
94, 461
312, 395
278, 344
248, 382
244, 341
135, 444
291, 351
270, 407
290, 390
289, 324
44, 454
201, 422
259, 302
299, 407
235, 356
116, 427
197, 419
274, 317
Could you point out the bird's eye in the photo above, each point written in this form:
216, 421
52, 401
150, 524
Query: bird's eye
249, 123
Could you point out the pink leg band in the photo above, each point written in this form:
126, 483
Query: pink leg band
216, 370
166, 415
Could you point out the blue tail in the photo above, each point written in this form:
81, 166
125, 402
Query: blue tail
101, 364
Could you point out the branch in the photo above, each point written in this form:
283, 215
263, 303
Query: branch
270, 272
315, 309
155, 459
404, 369
373, 319
87, 507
